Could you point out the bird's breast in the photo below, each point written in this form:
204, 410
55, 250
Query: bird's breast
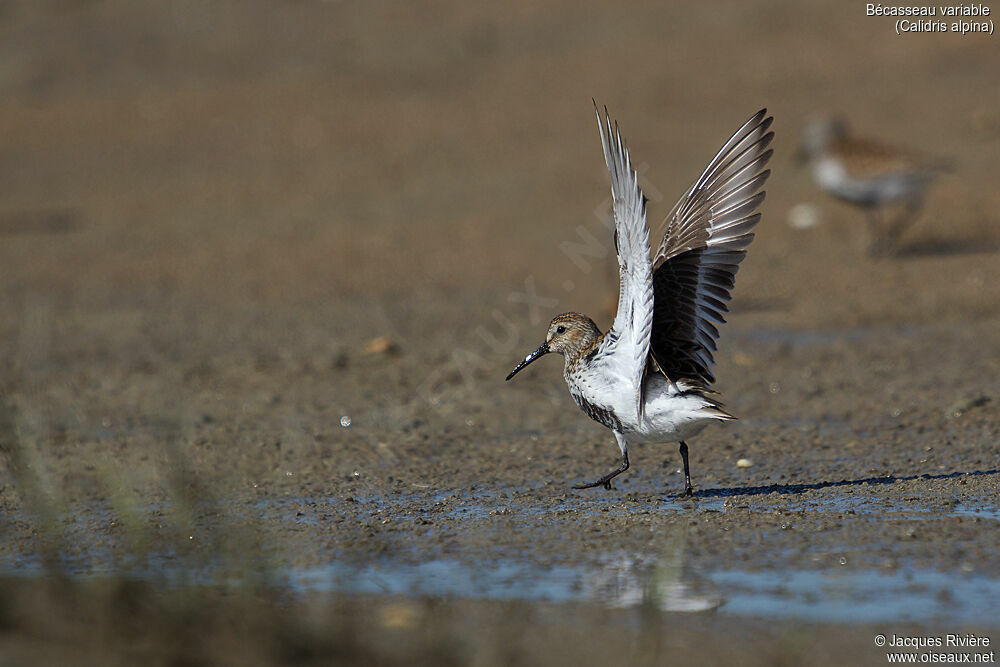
601, 415
602, 396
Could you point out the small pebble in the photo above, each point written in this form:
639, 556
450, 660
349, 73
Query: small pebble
400, 615
960, 407
744, 463
803, 216
381, 345
345, 421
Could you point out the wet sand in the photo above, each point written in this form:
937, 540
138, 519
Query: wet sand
264, 270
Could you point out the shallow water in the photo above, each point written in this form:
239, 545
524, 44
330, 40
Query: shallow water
982, 512
667, 580
866, 596
625, 581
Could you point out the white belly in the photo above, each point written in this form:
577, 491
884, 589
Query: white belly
668, 415
891, 187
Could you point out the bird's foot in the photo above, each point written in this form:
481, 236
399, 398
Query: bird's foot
604, 481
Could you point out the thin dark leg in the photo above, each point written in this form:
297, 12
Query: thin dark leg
902, 222
877, 240
687, 470
606, 480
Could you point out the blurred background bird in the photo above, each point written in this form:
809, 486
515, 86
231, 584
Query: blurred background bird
888, 182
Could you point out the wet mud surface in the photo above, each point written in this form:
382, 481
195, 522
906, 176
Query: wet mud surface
261, 292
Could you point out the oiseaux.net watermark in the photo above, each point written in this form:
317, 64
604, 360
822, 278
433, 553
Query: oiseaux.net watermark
949, 648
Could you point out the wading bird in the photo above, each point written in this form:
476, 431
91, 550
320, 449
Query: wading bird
647, 379
870, 175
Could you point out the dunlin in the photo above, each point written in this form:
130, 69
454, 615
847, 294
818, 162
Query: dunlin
647, 379
870, 175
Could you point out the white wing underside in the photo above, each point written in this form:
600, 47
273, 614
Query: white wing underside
705, 237
625, 348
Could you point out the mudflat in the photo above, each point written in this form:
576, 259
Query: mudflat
263, 269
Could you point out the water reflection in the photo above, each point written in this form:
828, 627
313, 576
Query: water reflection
623, 581
626, 582
664, 583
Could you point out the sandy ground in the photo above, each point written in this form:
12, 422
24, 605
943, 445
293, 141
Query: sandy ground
264, 267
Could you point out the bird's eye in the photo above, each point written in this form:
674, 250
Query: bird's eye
560, 329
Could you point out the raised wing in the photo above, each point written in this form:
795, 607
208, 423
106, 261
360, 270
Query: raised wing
705, 238
626, 346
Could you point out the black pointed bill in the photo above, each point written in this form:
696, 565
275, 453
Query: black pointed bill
542, 350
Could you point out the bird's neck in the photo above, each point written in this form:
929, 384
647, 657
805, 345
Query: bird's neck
580, 356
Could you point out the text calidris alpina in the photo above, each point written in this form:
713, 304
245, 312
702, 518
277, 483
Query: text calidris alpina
870, 175
648, 378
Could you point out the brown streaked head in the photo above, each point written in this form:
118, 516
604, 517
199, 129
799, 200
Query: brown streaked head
570, 334
818, 134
